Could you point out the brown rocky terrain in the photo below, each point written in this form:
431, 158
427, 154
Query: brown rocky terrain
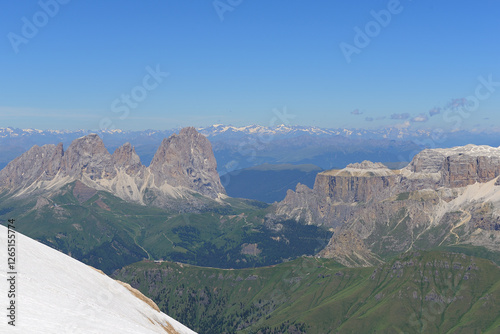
183, 166
87, 156
187, 160
378, 212
125, 157
38, 164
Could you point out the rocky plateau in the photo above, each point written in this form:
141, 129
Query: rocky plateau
443, 197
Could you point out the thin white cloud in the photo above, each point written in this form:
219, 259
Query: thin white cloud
420, 118
403, 125
400, 116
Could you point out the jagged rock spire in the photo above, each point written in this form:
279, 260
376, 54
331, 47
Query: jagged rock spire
182, 162
187, 160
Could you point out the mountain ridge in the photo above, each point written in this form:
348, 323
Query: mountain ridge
391, 132
183, 166
443, 197
416, 292
246, 146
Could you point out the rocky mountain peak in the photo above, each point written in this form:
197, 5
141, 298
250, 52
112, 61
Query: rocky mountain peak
189, 131
440, 190
86, 145
183, 164
430, 169
89, 156
187, 160
60, 149
38, 163
427, 161
126, 157
458, 166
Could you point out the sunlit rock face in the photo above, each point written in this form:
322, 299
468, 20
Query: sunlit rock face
184, 165
375, 209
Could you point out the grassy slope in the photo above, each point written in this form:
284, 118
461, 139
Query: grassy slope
108, 233
431, 292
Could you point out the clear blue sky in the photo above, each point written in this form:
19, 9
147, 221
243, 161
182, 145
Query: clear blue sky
78, 68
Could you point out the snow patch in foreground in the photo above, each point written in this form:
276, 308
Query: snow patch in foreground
58, 294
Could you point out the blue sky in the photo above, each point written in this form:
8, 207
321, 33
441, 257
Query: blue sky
88, 64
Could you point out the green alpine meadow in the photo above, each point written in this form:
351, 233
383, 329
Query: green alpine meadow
362, 249
417, 292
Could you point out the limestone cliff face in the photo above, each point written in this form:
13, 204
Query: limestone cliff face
357, 185
427, 161
384, 211
184, 164
88, 156
463, 170
38, 164
458, 166
126, 158
187, 160
335, 192
430, 169
303, 204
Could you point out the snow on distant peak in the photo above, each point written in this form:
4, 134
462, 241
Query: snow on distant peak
397, 132
32, 130
58, 294
471, 149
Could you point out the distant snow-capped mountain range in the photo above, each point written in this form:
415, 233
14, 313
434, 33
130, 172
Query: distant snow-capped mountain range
246, 146
220, 129
282, 129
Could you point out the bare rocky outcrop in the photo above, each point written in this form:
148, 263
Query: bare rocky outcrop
336, 193
367, 182
352, 186
375, 210
462, 170
187, 160
427, 161
348, 249
458, 166
88, 156
38, 164
183, 166
125, 158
